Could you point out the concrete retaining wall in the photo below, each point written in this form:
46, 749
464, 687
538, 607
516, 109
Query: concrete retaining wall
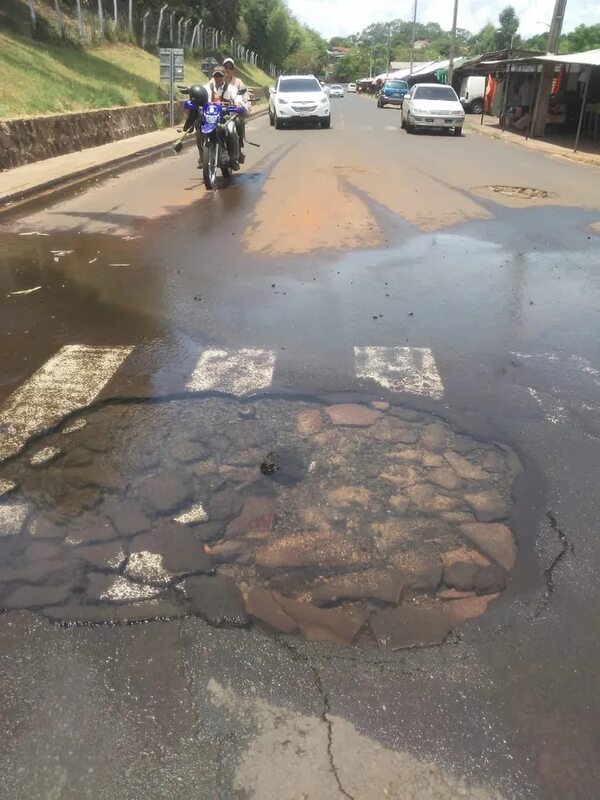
23, 141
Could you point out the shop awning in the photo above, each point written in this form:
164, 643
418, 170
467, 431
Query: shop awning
588, 58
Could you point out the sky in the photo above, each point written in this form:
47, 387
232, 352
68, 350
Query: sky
343, 17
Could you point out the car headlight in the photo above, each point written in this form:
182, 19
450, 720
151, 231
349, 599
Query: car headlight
281, 101
458, 113
323, 98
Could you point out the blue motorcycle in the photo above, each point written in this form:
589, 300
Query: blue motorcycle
212, 127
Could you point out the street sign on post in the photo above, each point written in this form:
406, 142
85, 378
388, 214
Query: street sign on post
171, 71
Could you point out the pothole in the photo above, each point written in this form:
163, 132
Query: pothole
363, 524
525, 192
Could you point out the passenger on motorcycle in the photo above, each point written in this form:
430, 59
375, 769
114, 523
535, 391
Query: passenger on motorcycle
221, 91
240, 120
216, 91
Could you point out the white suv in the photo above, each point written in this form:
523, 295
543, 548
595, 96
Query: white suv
299, 97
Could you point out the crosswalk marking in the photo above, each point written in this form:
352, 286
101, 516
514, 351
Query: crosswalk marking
69, 380
235, 372
401, 369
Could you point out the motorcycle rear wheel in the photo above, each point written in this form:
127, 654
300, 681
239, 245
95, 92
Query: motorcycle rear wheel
209, 164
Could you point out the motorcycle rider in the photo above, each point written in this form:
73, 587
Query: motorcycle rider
240, 120
221, 91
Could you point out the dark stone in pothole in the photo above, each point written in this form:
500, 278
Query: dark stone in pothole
164, 493
490, 579
216, 599
126, 516
284, 466
461, 575
410, 626
180, 548
224, 505
35, 596
128, 612
89, 528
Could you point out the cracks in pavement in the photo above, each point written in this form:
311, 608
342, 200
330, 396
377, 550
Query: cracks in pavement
325, 714
566, 548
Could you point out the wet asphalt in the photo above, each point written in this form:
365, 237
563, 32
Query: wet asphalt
330, 240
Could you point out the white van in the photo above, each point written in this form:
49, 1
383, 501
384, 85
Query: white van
472, 94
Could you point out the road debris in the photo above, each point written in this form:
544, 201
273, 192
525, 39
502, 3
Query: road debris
24, 291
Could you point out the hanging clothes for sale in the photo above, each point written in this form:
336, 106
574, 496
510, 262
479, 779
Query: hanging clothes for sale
492, 85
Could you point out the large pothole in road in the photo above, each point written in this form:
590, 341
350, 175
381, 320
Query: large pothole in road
362, 524
524, 192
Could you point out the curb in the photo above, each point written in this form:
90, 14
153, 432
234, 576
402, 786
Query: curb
9, 202
500, 136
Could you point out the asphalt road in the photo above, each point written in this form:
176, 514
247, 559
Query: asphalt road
357, 262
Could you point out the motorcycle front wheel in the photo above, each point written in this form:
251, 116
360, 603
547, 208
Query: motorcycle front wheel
210, 160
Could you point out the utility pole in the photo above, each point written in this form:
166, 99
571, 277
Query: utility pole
452, 44
540, 111
412, 42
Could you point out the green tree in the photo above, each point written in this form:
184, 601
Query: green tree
484, 41
584, 37
506, 35
278, 35
353, 66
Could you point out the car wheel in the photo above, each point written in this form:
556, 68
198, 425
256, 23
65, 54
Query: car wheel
271, 119
477, 107
278, 123
326, 123
379, 104
402, 122
410, 128
458, 131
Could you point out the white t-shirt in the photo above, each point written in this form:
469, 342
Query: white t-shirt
227, 93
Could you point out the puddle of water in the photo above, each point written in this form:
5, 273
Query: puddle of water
369, 525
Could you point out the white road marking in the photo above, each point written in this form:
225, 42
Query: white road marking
235, 372
391, 128
401, 369
68, 381
367, 128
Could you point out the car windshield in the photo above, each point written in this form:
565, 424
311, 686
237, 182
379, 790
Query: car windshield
335, 86
396, 85
299, 85
434, 93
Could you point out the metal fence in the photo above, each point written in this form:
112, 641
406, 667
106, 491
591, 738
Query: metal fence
122, 21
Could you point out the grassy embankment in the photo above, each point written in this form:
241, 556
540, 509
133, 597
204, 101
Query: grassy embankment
48, 78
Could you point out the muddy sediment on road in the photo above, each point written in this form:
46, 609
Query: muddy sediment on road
372, 525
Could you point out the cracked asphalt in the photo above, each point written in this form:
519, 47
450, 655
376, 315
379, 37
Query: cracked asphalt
320, 275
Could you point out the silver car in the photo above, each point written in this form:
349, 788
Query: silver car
432, 105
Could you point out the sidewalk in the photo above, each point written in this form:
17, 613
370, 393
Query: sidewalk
556, 146
24, 182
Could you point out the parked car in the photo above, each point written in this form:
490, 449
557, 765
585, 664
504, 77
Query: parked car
392, 93
352, 87
472, 94
432, 105
336, 90
299, 97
